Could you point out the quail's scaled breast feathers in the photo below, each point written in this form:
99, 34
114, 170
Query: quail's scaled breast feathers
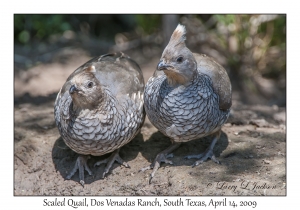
100, 108
188, 97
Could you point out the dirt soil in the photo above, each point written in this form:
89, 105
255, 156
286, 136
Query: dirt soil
252, 149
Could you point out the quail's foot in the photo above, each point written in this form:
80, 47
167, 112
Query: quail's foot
208, 152
203, 157
161, 157
110, 160
81, 165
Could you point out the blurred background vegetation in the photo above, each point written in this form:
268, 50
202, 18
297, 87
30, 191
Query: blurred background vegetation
251, 47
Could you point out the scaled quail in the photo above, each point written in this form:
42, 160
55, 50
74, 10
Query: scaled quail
188, 97
100, 108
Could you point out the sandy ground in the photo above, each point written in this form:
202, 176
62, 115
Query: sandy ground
252, 149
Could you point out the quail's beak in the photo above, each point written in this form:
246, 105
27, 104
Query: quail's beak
163, 66
73, 89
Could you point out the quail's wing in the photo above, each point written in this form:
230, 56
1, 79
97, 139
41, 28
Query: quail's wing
220, 80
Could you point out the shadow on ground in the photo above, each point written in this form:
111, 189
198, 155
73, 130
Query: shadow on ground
158, 142
35, 100
64, 160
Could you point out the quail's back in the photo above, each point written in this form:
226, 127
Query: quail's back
100, 107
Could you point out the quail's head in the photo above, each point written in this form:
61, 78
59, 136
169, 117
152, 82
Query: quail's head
177, 61
86, 90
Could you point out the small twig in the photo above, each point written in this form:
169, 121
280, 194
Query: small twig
161, 183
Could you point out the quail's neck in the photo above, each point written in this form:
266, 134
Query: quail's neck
176, 79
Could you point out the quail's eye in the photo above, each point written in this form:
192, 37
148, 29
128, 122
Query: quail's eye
179, 59
90, 84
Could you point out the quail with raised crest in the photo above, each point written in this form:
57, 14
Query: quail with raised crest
188, 97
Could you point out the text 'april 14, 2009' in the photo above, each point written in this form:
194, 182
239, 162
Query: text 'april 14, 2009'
92, 202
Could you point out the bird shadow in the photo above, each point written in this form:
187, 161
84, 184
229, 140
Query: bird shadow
158, 142
64, 160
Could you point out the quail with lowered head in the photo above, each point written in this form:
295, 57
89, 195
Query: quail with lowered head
100, 108
188, 97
